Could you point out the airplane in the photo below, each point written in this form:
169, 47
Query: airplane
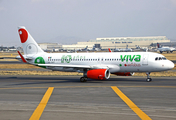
93, 49
116, 50
123, 49
93, 65
126, 49
85, 49
165, 49
138, 48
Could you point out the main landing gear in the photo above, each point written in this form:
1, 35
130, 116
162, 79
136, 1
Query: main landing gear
148, 77
83, 79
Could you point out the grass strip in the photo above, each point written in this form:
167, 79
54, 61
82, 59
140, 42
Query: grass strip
158, 74
17, 66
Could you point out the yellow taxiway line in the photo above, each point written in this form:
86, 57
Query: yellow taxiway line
39, 110
137, 110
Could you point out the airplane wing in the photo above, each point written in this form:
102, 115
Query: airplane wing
112, 68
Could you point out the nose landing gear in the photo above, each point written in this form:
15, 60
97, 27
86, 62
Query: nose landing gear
148, 77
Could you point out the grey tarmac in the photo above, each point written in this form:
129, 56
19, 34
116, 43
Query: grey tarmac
73, 100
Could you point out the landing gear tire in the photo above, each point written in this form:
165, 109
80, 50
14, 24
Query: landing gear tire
83, 79
149, 79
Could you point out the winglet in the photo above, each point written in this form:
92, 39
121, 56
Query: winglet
109, 49
22, 57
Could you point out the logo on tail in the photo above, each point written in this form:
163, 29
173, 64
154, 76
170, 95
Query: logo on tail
23, 35
158, 45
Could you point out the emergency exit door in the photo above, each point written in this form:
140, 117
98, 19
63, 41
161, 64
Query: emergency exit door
145, 59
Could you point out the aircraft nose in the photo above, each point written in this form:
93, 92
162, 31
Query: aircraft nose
170, 65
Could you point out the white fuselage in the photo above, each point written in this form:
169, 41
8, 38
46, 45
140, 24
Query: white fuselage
116, 62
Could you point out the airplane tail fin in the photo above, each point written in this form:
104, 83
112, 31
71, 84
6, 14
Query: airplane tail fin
158, 45
109, 49
126, 46
29, 44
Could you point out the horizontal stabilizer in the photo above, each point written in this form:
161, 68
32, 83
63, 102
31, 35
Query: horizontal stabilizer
23, 59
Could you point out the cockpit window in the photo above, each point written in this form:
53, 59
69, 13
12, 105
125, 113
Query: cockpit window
164, 58
160, 58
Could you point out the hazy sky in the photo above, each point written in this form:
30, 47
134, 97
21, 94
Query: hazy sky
86, 19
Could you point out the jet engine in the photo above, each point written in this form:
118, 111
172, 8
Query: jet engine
98, 74
124, 73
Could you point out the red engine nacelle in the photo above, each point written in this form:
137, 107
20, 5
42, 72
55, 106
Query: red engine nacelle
124, 73
98, 74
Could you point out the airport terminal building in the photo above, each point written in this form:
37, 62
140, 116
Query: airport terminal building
119, 42
50, 46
